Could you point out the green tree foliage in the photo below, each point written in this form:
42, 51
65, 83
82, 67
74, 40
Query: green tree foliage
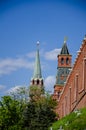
10, 113
74, 121
35, 93
39, 113
21, 94
18, 114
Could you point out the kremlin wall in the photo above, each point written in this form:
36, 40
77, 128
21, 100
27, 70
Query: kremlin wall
70, 87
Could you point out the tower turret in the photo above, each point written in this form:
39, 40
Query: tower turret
37, 76
63, 69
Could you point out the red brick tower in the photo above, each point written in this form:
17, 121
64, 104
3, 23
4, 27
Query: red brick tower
63, 69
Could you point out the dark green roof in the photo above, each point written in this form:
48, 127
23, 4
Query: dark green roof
64, 49
37, 67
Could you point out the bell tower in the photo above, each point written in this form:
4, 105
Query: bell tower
37, 79
63, 69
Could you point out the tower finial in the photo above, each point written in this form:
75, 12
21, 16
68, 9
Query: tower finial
38, 44
65, 39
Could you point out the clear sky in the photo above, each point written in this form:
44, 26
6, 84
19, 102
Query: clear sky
23, 23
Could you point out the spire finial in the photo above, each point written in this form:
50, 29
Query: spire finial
38, 44
65, 39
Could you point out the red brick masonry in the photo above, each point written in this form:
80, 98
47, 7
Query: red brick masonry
73, 95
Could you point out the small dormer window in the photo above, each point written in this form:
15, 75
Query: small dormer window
62, 60
67, 61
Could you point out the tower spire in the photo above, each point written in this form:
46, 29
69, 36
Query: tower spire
37, 67
64, 49
37, 75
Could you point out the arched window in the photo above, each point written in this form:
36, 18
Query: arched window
42, 82
67, 61
62, 60
33, 81
37, 81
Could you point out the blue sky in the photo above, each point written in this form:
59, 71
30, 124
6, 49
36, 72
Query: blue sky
23, 23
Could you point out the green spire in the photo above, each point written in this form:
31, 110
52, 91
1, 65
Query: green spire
64, 49
37, 67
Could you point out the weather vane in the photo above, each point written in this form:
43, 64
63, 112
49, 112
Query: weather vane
65, 39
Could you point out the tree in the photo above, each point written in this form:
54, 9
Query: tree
39, 113
74, 121
20, 94
10, 113
36, 114
35, 93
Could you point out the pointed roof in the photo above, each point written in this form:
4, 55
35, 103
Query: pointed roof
64, 49
37, 67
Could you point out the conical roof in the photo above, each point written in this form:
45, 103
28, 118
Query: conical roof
64, 49
37, 68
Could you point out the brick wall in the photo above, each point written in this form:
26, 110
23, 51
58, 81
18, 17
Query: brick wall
73, 95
